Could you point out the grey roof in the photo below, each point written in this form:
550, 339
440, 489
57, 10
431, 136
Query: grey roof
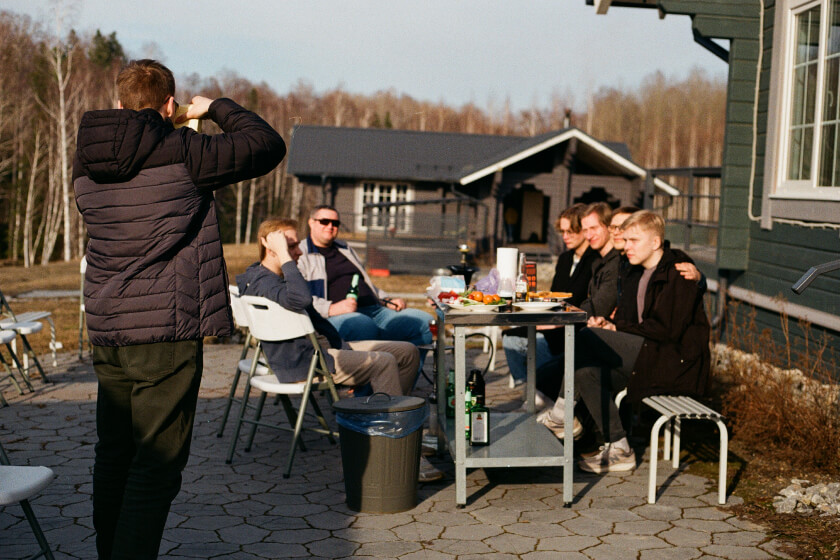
405, 154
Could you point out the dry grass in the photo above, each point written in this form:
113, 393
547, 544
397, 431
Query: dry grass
785, 424
794, 411
17, 280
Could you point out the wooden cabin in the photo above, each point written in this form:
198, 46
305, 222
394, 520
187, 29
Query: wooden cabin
408, 180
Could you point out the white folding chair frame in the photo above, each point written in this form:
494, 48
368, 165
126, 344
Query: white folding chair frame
241, 320
30, 480
270, 322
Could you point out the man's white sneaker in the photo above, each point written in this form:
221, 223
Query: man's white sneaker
558, 428
611, 458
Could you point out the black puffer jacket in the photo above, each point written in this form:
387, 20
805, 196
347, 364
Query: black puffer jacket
675, 356
156, 271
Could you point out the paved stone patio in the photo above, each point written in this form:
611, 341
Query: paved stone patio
248, 511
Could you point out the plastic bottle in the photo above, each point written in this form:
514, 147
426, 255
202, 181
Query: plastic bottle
353, 292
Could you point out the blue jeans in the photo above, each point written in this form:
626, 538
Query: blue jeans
377, 322
517, 358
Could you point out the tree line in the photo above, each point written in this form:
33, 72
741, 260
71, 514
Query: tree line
49, 79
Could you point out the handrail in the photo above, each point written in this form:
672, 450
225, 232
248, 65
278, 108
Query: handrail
689, 221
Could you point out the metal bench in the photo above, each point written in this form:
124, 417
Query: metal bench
673, 409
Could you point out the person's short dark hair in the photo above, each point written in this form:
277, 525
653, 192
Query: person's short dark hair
602, 210
145, 84
320, 207
573, 213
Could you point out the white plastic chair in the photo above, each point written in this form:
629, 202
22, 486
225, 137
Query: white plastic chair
17, 485
22, 329
30, 317
241, 320
7, 338
270, 322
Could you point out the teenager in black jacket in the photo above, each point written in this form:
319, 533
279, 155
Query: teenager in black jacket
155, 285
657, 343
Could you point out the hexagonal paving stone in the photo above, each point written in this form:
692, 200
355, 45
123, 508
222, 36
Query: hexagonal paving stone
681, 536
736, 552
589, 527
567, 544
514, 544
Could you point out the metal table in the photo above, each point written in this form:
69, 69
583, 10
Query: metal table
516, 439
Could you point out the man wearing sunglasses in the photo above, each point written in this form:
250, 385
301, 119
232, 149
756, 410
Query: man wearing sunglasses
329, 266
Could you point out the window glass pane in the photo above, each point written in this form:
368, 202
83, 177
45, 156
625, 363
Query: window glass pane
804, 94
828, 158
808, 35
828, 170
830, 105
833, 46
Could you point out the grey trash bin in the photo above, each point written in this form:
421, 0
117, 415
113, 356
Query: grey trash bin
380, 439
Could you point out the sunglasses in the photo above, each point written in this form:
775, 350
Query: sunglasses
327, 221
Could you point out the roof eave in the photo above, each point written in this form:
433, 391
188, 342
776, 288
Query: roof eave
629, 166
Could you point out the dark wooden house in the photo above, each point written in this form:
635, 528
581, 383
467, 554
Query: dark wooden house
522, 183
780, 184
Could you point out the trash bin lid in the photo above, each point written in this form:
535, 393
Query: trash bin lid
378, 402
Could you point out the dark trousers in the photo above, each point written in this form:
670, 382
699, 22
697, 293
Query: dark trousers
144, 418
604, 362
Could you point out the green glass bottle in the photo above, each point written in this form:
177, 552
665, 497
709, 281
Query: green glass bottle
450, 394
353, 292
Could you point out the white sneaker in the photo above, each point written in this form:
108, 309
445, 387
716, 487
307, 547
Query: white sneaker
611, 458
543, 401
558, 428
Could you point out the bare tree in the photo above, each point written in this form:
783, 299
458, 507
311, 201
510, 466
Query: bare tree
28, 252
60, 58
252, 195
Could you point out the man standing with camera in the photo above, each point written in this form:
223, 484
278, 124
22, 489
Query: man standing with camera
155, 285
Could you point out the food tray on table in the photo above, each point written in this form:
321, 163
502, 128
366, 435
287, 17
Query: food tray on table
537, 305
475, 307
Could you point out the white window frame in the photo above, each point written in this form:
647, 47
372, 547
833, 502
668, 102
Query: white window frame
407, 212
778, 156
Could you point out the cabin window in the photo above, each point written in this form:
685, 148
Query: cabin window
390, 218
809, 132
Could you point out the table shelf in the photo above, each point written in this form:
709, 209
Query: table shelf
516, 440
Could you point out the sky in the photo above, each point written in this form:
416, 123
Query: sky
455, 51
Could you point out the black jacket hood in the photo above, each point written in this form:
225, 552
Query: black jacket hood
114, 144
